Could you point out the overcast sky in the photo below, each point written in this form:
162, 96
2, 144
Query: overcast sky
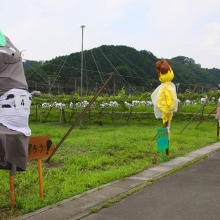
44, 29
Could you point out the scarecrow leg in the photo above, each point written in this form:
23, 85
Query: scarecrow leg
168, 130
12, 190
218, 129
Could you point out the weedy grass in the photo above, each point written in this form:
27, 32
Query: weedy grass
93, 155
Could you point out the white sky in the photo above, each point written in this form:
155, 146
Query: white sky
49, 28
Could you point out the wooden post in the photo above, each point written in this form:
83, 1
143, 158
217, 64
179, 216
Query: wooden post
100, 113
36, 113
40, 177
72, 114
129, 116
61, 115
12, 190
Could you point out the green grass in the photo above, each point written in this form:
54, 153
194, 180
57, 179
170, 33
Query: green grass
94, 155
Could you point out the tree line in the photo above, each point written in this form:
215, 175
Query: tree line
134, 71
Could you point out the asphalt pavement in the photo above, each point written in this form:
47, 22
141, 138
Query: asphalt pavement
157, 193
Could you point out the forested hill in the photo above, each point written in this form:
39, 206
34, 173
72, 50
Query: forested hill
27, 64
134, 70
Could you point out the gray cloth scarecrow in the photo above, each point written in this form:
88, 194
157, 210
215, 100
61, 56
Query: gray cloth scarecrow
15, 103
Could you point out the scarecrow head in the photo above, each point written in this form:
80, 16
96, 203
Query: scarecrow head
164, 71
2, 40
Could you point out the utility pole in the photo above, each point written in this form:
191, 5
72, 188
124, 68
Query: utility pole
81, 76
49, 86
114, 86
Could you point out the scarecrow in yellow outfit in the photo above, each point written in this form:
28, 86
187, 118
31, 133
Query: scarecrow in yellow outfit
164, 97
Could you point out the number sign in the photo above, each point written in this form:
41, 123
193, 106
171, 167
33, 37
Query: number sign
22, 101
162, 139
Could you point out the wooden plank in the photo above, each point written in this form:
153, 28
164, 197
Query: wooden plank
40, 147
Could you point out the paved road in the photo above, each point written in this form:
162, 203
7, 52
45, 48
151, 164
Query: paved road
191, 193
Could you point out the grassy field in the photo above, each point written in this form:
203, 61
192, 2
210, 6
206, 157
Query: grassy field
93, 155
